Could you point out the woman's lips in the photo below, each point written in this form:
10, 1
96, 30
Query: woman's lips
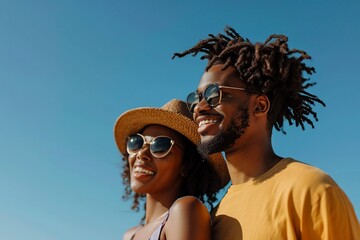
141, 170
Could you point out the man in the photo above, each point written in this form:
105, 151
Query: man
246, 91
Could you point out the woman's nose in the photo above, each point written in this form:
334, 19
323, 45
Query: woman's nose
144, 153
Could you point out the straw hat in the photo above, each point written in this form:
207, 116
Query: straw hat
174, 115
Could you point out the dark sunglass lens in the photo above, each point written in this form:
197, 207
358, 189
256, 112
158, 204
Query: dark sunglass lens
212, 94
160, 146
192, 100
134, 143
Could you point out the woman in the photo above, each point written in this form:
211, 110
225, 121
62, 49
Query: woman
163, 167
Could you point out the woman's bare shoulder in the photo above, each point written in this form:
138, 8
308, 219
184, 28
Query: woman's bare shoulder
189, 219
130, 233
188, 202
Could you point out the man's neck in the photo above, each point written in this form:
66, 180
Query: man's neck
247, 164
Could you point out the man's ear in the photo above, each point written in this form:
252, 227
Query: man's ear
262, 105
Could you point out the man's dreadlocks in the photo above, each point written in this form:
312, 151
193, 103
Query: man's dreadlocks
270, 68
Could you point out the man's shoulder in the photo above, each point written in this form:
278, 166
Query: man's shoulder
298, 168
303, 175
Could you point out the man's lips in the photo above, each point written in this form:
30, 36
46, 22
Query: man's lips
207, 121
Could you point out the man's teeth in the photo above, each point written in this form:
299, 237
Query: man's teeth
142, 170
207, 121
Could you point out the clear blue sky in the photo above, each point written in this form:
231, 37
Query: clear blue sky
69, 68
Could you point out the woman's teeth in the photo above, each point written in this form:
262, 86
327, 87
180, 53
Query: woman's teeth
144, 171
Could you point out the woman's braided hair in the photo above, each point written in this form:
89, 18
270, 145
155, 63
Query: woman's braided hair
270, 68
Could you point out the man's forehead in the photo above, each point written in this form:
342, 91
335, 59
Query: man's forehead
226, 77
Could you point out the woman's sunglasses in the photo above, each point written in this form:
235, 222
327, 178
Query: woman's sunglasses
159, 146
212, 95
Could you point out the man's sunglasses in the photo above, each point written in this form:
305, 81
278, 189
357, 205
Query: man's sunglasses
159, 146
212, 95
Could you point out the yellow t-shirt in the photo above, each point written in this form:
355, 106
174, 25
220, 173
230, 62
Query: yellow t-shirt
291, 201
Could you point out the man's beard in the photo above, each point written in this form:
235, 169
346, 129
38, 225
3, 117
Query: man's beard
225, 140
